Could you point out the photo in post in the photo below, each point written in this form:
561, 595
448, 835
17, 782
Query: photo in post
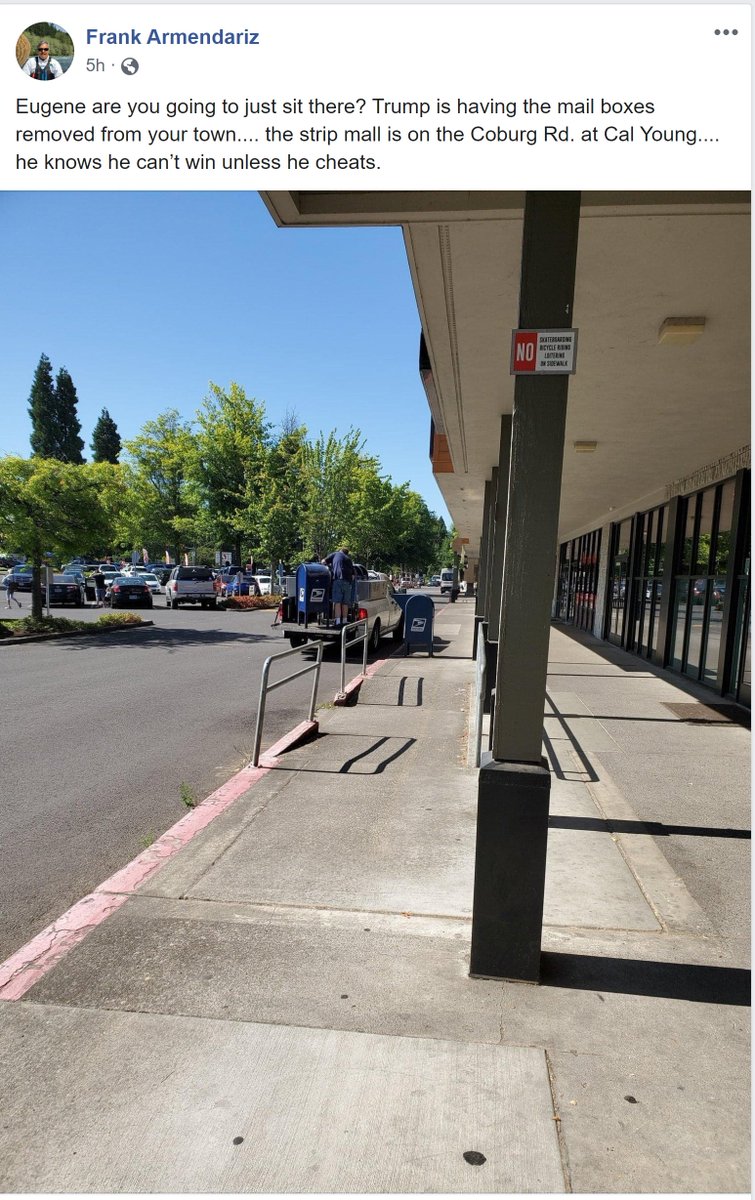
431, 401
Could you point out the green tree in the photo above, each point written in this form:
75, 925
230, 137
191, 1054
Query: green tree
69, 426
55, 427
50, 507
106, 440
333, 475
164, 501
417, 542
42, 410
231, 465
285, 499
374, 516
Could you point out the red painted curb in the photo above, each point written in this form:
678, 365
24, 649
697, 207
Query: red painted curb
352, 688
24, 968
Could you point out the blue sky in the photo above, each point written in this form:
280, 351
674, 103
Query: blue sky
147, 297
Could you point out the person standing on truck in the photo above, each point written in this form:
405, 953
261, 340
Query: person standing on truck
342, 570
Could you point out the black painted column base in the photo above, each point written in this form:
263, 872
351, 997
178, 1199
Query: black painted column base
512, 837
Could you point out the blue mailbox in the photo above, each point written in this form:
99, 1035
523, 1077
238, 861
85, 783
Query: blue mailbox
312, 591
418, 622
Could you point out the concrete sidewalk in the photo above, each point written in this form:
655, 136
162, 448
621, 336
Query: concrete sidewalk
285, 1006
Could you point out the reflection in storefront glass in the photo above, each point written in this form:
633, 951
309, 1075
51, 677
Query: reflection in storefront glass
723, 539
702, 556
689, 531
680, 616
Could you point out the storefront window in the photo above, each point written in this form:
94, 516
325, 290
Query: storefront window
708, 530
645, 590
705, 530
722, 548
688, 517
680, 624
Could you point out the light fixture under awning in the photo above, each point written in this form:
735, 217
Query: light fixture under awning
680, 331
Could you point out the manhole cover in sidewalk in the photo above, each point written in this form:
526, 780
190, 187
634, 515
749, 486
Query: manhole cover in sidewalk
710, 714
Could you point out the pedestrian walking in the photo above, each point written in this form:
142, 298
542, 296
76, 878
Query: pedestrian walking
98, 579
9, 584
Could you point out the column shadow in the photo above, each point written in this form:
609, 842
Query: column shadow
638, 977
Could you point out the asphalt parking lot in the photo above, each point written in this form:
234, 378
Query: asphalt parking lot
107, 738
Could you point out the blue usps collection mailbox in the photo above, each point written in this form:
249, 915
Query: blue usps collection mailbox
418, 622
312, 591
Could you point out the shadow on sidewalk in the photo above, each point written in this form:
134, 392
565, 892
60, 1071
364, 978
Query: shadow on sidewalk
672, 981
653, 828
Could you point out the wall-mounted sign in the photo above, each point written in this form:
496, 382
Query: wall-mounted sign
543, 351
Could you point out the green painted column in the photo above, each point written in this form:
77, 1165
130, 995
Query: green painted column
514, 782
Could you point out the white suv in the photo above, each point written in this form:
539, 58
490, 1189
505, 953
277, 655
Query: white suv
191, 585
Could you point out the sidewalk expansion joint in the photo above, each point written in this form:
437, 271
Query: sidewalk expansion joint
285, 906
562, 1148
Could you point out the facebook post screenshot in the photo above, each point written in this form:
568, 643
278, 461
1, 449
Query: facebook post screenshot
375, 563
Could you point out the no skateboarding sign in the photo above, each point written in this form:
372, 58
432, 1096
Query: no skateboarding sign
543, 351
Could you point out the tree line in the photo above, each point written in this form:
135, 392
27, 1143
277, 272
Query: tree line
225, 480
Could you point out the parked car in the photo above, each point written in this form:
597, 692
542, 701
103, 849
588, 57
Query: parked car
191, 585
126, 590
67, 589
718, 591
152, 582
434, 581
239, 585
264, 583
374, 603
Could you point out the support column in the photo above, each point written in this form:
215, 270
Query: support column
492, 597
499, 529
480, 604
514, 785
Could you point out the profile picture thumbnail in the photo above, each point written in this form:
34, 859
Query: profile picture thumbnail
44, 51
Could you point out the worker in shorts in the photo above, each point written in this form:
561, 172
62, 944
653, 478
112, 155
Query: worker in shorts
341, 592
9, 583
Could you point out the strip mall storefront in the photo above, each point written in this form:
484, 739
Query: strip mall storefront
671, 585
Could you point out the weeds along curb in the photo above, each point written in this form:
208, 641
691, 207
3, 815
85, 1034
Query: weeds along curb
68, 633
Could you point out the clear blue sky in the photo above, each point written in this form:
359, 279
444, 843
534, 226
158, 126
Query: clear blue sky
147, 297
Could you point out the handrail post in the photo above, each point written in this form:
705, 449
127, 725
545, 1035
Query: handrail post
261, 711
363, 639
315, 682
266, 687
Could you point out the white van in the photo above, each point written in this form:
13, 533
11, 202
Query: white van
446, 580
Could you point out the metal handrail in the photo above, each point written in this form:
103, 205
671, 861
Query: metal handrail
266, 687
352, 642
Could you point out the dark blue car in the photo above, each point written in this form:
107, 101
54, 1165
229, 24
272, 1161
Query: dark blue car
238, 585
